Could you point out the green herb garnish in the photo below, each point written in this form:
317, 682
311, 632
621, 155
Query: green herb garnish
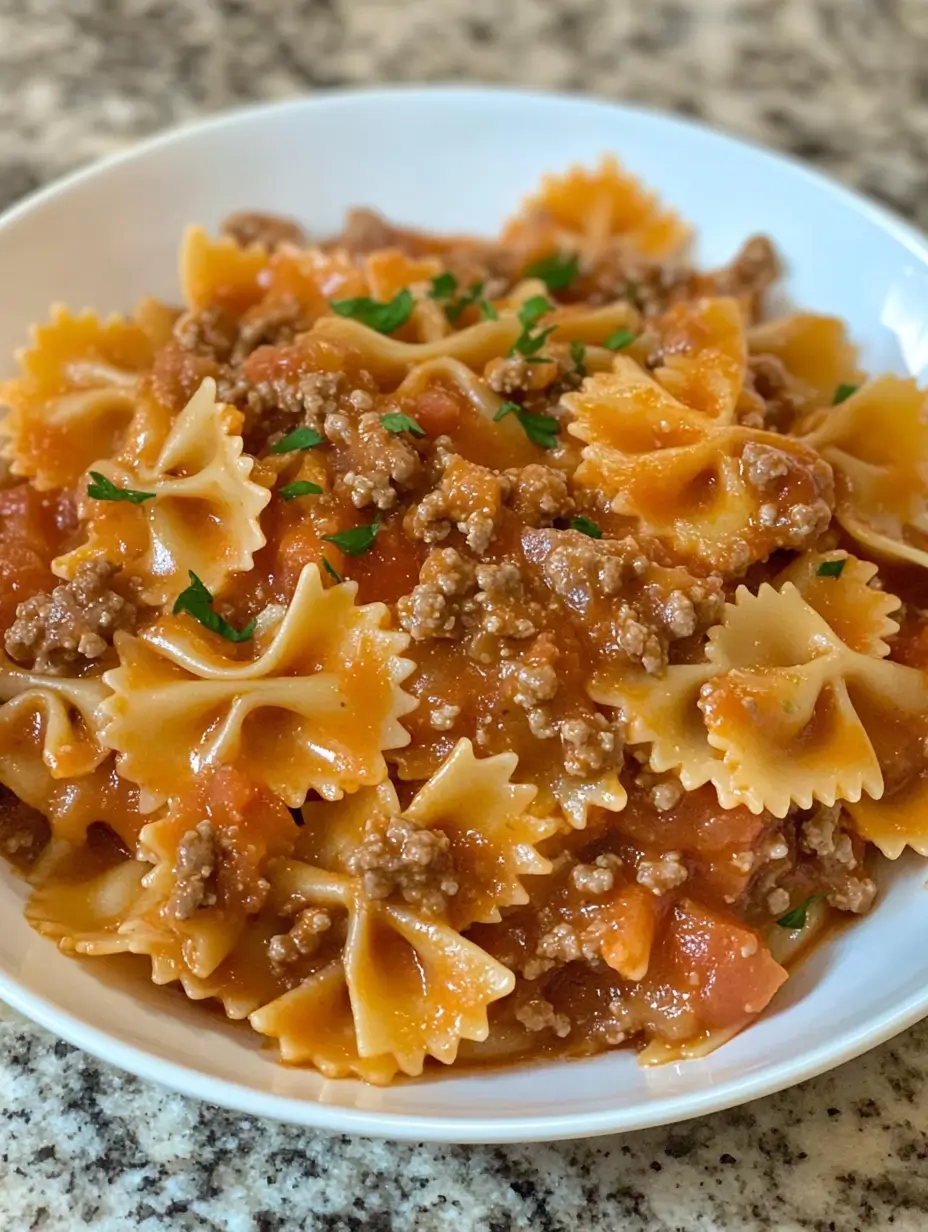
541, 430
531, 312
831, 568
578, 355
487, 310
843, 392
302, 487
443, 287
557, 272
198, 603
456, 307
331, 570
384, 318
357, 541
299, 438
101, 488
396, 421
586, 526
620, 339
796, 918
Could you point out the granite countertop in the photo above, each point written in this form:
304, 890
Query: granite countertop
842, 83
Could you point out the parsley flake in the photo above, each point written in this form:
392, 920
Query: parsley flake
831, 568
541, 430
443, 286
557, 271
101, 488
796, 918
843, 392
357, 540
299, 438
198, 603
384, 318
586, 526
396, 421
456, 307
619, 340
578, 355
331, 570
302, 487
487, 310
528, 344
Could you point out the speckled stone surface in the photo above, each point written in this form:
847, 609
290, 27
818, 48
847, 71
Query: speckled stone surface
842, 83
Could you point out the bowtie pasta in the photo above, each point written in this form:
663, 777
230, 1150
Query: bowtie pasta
437, 649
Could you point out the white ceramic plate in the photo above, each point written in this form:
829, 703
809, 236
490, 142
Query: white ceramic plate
460, 160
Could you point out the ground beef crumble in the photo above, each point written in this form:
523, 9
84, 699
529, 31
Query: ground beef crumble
60, 632
538, 1014
398, 857
539, 495
468, 496
24, 831
303, 938
194, 872
249, 227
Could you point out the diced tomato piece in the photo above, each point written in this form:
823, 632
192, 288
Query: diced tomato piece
724, 965
437, 411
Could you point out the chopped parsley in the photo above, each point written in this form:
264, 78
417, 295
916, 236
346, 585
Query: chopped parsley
101, 488
541, 430
557, 271
384, 318
299, 438
619, 340
487, 310
831, 568
357, 541
443, 286
586, 526
528, 344
302, 487
455, 307
396, 421
843, 392
578, 355
796, 918
198, 603
331, 570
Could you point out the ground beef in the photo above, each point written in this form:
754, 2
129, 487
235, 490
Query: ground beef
60, 632
303, 938
755, 268
382, 462
508, 376
269, 230
665, 796
539, 494
210, 332
444, 717
399, 857
194, 872
215, 333
762, 464
441, 604
500, 601
768, 378
272, 324
839, 858
595, 878
776, 476
651, 607
588, 744
535, 683
468, 496
366, 231
24, 831
537, 1014
664, 873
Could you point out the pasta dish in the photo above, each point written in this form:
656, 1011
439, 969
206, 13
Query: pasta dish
434, 648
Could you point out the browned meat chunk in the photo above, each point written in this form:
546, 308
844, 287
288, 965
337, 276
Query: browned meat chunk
62, 631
